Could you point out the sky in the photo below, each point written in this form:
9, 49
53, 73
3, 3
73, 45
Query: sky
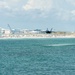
38, 14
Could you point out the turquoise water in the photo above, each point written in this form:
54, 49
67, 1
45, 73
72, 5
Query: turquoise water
37, 57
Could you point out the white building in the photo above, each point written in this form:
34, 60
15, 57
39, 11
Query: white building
4, 32
7, 32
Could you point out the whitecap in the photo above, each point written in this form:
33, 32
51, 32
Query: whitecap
60, 45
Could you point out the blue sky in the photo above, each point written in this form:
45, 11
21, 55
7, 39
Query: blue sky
38, 14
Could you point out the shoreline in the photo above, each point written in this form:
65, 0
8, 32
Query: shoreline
37, 37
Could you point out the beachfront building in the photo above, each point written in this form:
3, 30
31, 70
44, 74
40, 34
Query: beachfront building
4, 32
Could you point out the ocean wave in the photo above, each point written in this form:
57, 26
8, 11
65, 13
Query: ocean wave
61, 45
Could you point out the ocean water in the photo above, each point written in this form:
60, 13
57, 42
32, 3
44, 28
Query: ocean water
37, 56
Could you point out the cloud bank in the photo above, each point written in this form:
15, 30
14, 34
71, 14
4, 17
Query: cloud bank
43, 5
62, 9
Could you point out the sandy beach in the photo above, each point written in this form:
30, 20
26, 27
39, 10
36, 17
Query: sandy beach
52, 35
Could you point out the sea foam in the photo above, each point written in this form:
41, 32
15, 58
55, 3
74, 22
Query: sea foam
60, 45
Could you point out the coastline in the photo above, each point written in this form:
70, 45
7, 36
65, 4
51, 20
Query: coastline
38, 36
52, 37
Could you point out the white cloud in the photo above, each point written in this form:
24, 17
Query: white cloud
9, 3
3, 4
72, 2
73, 12
12, 5
61, 9
44, 8
64, 15
43, 5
